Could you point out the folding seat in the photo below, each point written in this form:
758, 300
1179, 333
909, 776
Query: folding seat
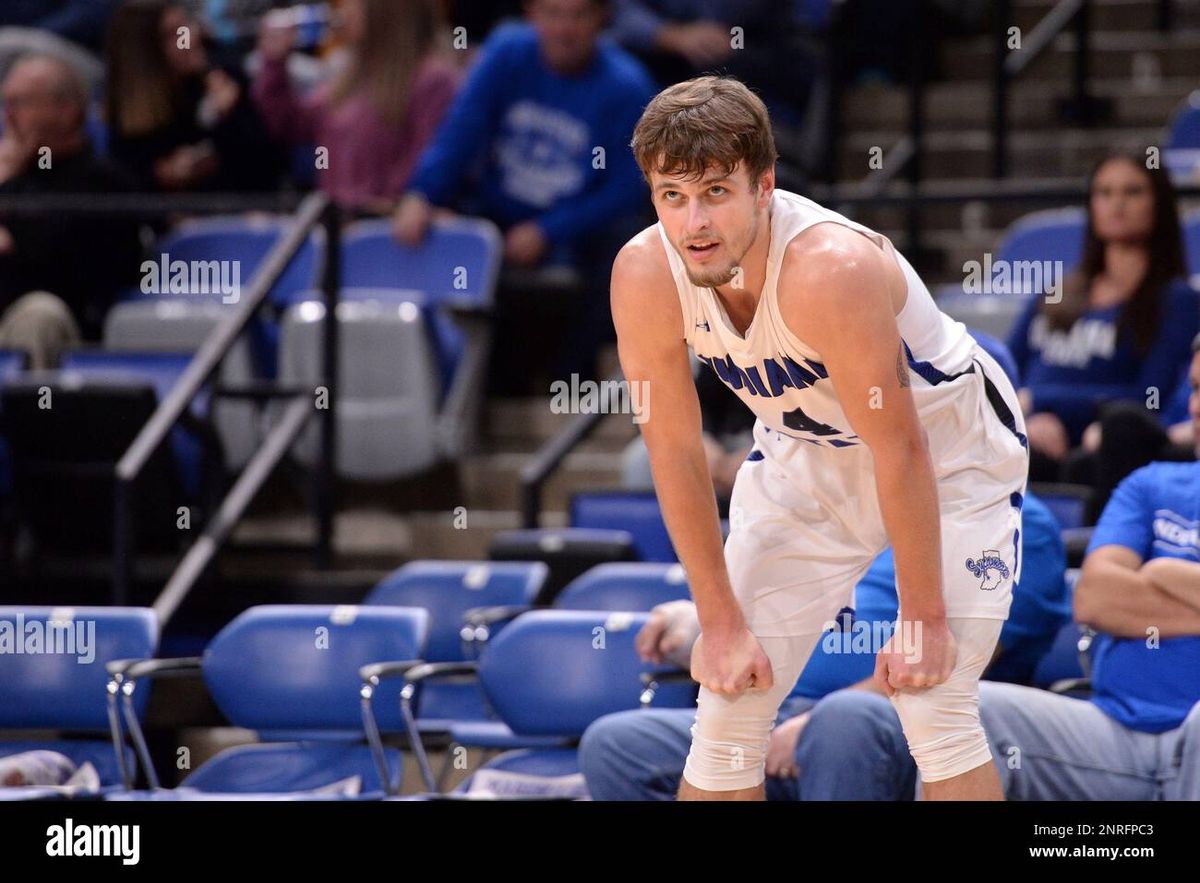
1049, 235
53, 684
1191, 242
290, 673
635, 511
549, 673
1184, 129
1067, 502
634, 586
568, 552
993, 314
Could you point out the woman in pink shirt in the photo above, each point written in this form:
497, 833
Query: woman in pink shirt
378, 111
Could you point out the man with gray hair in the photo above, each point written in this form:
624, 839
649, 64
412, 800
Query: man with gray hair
58, 273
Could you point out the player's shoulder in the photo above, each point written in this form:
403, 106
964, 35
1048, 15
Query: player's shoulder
643, 260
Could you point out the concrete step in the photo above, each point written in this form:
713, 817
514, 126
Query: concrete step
1111, 15
523, 424
955, 105
1068, 153
1142, 56
493, 481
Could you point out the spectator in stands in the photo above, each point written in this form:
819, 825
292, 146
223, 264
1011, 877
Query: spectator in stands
821, 747
1138, 738
176, 122
80, 21
538, 141
58, 273
1130, 436
381, 109
1121, 329
681, 39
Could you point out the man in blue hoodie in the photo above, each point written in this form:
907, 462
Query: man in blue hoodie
538, 141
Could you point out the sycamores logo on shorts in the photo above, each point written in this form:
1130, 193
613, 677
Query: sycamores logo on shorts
990, 568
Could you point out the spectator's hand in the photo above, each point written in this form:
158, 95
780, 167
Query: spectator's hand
1182, 433
1025, 399
1047, 433
525, 244
702, 43
221, 95
275, 43
1091, 437
186, 166
926, 665
7, 243
15, 153
669, 634
729, 663
411, 220
781, 750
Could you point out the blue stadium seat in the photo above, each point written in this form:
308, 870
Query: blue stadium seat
567, 551
1051, 235
1184, 128
1067, 502
290, 673
1191, 241
992, 314
631, 586
65, 692
551, 673
635, 511
246, 240
458, 264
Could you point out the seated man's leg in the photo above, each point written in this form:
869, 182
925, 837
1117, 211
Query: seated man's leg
41, 324
636, 755
1050, 747
727, 759
853, 748
1182, 750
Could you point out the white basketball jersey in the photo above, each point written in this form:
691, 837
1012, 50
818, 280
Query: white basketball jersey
781, 378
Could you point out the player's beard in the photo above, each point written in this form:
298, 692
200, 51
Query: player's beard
715, 277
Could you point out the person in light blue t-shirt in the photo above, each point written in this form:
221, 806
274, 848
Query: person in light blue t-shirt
1138, 736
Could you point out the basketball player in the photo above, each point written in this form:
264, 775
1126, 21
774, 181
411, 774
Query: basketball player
879, 420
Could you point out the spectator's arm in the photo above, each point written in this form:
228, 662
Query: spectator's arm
1172, 345
1178, 578
622, 189
286, 116
636, 25
1115, 596
1018, 338
468, 127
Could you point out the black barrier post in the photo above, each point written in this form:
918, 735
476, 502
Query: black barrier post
326, 477
1003, 16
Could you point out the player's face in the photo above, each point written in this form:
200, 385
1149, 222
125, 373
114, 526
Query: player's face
712, 221
1122, 203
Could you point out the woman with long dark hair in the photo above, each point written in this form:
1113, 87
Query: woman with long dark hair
379, 111
1122, 329
177, 122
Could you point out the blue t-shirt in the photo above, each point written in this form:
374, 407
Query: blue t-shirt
539, 144
1070, 373
1155, 512
1041, 605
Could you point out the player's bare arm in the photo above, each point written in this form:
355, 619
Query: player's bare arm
649, 322
840, 293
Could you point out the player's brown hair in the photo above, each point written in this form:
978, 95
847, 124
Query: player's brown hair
704, 123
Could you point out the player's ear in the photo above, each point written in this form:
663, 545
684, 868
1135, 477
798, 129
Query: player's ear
766, 186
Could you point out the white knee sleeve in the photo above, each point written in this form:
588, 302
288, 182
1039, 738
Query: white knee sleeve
941, 723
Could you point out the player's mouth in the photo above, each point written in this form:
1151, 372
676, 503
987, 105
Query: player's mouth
702, 250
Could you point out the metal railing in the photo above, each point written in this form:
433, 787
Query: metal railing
315, 210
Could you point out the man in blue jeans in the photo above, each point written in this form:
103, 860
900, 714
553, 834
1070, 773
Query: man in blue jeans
835, 736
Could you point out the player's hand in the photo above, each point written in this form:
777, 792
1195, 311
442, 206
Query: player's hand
781, 750
525, 244
411, 220
729, 663
927, 663
669, 634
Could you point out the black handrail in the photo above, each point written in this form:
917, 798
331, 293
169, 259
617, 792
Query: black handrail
543, 463
315, 209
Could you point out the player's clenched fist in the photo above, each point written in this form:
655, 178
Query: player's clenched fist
728, 663
922, 656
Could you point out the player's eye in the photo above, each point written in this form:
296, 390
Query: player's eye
717, 190
669, 195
